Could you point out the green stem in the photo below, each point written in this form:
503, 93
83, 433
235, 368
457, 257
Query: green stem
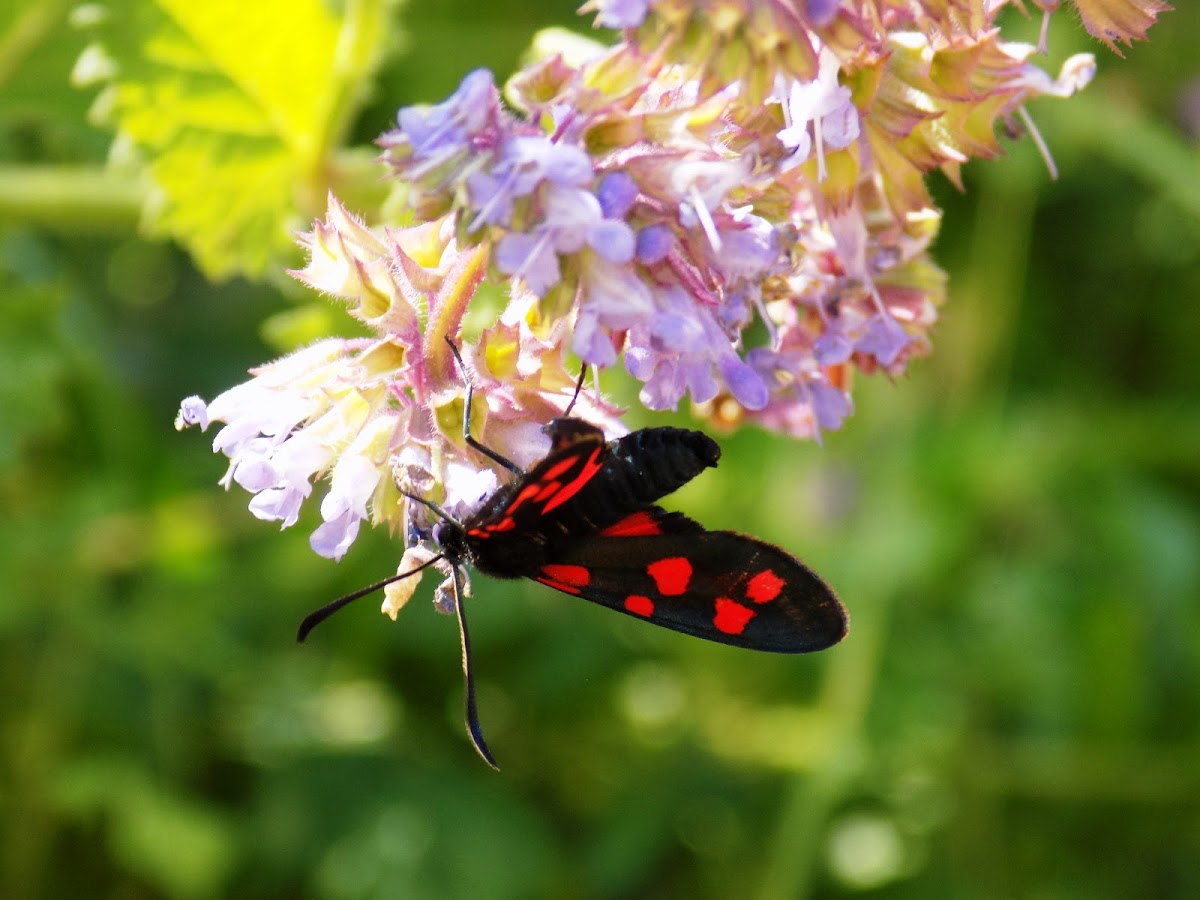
70, 199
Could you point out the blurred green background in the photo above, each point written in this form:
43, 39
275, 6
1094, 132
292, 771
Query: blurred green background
1014, 526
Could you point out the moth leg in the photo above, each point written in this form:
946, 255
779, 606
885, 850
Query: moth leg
471, 442
578, 387
474, 730
429, 504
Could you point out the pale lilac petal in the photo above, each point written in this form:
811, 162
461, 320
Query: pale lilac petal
749, 251
300, 457
616, 192
567, 164
255, 471
431, 130
812, 100
492, 197
192, 411
665, 387
654, 242
279, 504
840, 128
830, 406
833, 346
746, 385
615, 293
621, 13
590, 343
821, 12
532, 160
333, 538
351, 485
571, 214
884, 339
677, 333
614, 240
467, 486
640, 361
531, 258
700, 381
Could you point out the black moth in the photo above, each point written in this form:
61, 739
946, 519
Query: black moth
583, 521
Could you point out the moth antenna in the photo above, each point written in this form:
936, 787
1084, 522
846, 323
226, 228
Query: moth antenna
578, 388
317, 616
471, 442
474, 730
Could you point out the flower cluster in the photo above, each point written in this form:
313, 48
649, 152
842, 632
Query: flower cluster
733, 197
730, 201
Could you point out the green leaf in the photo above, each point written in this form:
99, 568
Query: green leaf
237, 108
176, 843
32, 404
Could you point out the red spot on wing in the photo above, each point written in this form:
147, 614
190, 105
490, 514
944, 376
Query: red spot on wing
505, 524
639, 605
731, 617
575, 485
636, 525
764, 587
575, 576
671, 575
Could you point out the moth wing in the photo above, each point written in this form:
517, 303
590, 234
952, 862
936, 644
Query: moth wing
528, 503
718, 585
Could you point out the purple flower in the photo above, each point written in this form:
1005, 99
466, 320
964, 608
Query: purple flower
676, 351
572, 220
824, 106
833, 347
821, 12
531, 258
525, 162
433, 131
620, 13
616, 192
884, 339
808, 404
613, 298
749, 248
654, 242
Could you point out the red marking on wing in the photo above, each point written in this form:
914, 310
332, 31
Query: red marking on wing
637, 525
671, 575
558, 585
573, 487
764, 587
639, 605
548, 490
558, 468
505, 524
526, 492
731, 617
575, 576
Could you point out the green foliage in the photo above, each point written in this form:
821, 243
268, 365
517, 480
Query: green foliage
222, 95
1014, 529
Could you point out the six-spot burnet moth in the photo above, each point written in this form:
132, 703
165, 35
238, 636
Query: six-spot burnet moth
583, 521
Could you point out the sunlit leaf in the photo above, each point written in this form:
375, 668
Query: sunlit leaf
236, 108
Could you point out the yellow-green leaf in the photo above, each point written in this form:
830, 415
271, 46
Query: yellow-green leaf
235, 109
